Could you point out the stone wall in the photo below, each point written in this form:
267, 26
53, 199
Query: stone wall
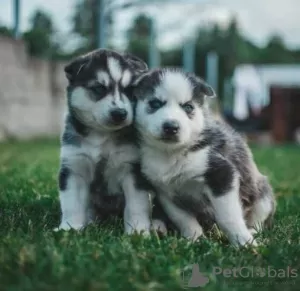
32, 93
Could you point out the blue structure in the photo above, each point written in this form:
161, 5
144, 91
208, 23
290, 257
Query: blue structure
16, 19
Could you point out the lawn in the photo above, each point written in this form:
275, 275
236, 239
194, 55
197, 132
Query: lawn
33, 257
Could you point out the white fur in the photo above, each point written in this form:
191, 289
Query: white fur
103, 78
74, 204
81, 161
126, 79
261, 210
97, 114
137, 209
177, 85
186, 223
164, 167
114, 69
83, 105
152, 124
229, 215
159, 226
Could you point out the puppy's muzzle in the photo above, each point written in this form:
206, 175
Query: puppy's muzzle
118, 115
170, 130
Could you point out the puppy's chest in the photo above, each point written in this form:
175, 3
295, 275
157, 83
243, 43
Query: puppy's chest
116, 161
175, 171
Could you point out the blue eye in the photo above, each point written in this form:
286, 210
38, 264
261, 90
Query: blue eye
156, 104
188, 107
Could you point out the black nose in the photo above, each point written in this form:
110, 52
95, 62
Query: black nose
118, 115
171, 127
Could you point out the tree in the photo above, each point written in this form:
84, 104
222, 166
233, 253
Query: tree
138, 37
39, 37
41, 20
276, 52
85, 22
5, 31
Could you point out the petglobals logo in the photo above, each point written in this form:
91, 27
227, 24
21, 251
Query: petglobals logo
255, 272
192, 277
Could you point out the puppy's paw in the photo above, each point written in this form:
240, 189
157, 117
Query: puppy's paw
244, 240
159, 226
67, 226
253, 231
133, 231
193, 233
141, 229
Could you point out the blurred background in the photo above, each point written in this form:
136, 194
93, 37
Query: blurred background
249, 51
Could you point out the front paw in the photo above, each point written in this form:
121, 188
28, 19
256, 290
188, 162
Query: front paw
132, 231
139, 229
192, 233
65, 226
244, 240
159, 227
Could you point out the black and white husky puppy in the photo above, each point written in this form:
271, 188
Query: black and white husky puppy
98, 154
200, 167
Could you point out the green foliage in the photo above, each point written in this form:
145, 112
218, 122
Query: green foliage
138, 37
41, 20
38, 42
85, 23
33, 257
39, 37
5, 31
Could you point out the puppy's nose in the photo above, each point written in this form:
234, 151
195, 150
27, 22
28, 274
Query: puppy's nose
171, 127
118, 115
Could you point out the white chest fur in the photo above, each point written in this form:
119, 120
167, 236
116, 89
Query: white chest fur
175, 170
119, 163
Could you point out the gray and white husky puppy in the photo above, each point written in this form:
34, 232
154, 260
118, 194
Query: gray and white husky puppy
202, 169
98, 156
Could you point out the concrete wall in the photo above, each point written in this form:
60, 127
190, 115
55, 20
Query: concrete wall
32, 93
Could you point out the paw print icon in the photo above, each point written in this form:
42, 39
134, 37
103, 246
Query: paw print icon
194, 278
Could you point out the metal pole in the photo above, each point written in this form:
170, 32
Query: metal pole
153, 52
212, 70
17, 19
189, 51
101, 24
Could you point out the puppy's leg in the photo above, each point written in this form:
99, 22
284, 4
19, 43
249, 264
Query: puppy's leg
137, 207
264, 208
159, 226
223, 181
74, 182
187, 224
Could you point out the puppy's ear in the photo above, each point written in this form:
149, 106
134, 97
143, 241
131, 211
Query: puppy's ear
203, 89
73, 69
136, 63
146, 83
138, 86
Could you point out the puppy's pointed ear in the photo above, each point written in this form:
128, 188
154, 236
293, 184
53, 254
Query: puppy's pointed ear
73, 69
208, 91
146, 83
202, 88
136, 63
138, 85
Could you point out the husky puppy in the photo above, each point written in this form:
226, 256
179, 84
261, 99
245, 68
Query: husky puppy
97, 153
199, 166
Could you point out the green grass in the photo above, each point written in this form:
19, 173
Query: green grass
32, 257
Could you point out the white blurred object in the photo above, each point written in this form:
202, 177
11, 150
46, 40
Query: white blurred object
252, 85
248, 91
297, 135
